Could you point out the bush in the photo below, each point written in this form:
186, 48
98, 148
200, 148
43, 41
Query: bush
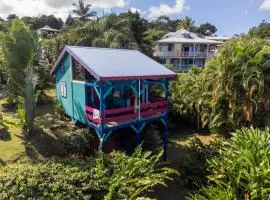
194, 168
243, 167
78, 142
231, 91
114, 176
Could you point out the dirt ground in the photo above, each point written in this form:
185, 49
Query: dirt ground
176, 150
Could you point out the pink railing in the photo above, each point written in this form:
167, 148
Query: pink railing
128, 113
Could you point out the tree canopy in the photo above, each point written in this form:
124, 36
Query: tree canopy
207, 29
262, 31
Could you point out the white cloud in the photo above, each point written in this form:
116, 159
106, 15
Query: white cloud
141, 12
108, 3
134, 10
164, 9
30, 8
265, 5
59, 8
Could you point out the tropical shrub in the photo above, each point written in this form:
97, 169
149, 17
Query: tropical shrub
59, 109
20, 48
114, 176
78, 142
194, 166
242, 168
3, 70
233, 89
214, 193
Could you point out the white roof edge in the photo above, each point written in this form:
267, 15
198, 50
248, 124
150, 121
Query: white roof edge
100, 48
188, 42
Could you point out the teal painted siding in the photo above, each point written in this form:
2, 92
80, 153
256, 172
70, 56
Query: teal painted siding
79, 101
65, 75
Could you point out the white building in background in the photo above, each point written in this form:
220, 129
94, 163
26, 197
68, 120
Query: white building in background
184, 49
48, 30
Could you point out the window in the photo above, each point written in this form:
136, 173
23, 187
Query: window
170, 46
78, 71
160, 47
63, 89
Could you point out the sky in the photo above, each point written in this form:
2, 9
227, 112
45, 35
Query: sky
229, 16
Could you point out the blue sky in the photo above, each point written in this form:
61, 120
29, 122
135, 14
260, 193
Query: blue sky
229, 16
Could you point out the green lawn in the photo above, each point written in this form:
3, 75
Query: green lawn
12, 148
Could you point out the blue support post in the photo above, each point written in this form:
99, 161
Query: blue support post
101, 109
165, 130
138, 135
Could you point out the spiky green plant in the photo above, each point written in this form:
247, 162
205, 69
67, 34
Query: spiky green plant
232, 91
20, 49
114, 176
242, 168
136, 175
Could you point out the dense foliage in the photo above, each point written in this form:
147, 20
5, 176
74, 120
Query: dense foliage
241, 169
194, 166
233, 89
261, 31
79, 142
43, 20
114, 176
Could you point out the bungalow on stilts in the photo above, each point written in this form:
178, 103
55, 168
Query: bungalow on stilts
110, 89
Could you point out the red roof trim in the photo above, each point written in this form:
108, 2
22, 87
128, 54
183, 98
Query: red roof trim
58, 60
136, 77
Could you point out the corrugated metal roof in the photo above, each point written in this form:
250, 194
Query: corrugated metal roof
48, 28
114, 64
184, 36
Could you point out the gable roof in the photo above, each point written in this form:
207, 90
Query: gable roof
116, 64
184, 36
48, 28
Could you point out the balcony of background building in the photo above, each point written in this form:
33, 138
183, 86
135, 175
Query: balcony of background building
201, 54
185, 68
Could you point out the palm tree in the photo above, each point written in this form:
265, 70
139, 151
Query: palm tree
109, 31
83, 10
187, 23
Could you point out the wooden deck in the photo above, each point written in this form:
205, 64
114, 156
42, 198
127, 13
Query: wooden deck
122, 116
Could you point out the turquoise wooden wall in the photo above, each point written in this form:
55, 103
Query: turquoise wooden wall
74, 103
79, 92
66, 76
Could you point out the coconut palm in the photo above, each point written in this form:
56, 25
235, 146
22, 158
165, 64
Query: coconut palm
83, 10
109, 31
187, 23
